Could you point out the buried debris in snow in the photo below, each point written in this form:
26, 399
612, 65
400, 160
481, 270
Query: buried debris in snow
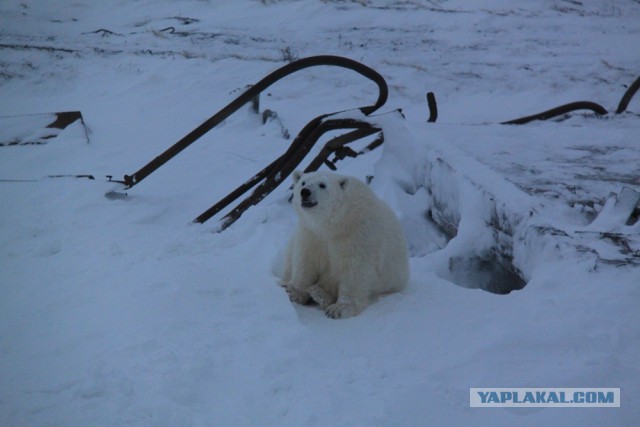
503, 227
36, 129
269, 178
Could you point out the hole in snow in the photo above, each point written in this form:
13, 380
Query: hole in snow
485, 273
429, 231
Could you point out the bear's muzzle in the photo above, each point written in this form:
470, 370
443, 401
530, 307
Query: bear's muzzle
306, 199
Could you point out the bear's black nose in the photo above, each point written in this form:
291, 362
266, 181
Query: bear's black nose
305, 193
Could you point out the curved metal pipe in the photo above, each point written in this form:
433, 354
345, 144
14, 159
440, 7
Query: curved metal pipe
558, 111
626, 98
252, 92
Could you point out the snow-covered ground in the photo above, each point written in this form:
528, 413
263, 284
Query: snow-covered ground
121, 312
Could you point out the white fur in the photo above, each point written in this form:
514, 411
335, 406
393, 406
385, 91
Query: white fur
348, 245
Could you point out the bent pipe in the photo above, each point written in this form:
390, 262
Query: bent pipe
558, 111
275, 178
332, 146
264, 173
580, 105
626, 98
297, 151
274, 174
252, 92
337, 145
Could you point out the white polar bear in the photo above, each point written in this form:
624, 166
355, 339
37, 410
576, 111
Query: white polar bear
348, 245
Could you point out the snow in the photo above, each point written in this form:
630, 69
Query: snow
122, 312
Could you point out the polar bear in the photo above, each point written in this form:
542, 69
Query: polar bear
348, 245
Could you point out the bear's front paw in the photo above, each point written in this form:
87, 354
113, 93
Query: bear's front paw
295, 295
342, 310
321, 297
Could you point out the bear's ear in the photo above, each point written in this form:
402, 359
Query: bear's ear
343, 183
296, 176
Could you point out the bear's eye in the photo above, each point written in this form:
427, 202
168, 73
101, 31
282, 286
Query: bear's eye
322, 185
303, 183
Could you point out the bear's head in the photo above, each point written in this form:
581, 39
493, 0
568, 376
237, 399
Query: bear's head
319, 196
